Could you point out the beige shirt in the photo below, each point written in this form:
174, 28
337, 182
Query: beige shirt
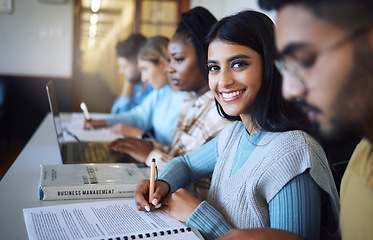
356, 219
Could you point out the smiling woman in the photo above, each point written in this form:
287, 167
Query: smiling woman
235, 76
266, 167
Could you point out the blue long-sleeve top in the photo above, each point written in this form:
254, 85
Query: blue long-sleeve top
157, 114
296, 208
124, 104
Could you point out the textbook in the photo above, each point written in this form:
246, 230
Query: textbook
82, 181
115, 219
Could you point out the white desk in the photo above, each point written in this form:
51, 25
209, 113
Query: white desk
19, 186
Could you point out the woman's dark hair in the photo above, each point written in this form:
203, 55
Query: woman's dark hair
269, 110
195, 25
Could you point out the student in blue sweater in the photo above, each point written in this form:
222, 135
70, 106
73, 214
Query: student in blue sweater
268, 172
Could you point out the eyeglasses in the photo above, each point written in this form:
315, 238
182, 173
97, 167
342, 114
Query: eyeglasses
286, 64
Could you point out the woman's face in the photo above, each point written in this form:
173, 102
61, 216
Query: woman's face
235, 76
183, 66
154, 74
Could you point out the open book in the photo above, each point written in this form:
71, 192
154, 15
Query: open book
118, 219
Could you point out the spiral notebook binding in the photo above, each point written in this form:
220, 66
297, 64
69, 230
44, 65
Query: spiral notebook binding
153, 234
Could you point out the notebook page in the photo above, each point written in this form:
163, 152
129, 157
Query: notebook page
102, 220
95, 135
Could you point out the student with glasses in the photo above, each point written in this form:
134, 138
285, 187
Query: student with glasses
298, 57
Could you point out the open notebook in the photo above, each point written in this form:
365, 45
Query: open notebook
103, 220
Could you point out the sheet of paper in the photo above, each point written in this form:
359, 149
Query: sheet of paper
102, 220
75, 126
76, 121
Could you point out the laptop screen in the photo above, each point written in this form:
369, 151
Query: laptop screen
55, 113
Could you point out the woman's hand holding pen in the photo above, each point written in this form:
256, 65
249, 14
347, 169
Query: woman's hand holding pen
141, 195
180, 204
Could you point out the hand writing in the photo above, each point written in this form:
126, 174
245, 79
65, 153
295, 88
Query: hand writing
142, 194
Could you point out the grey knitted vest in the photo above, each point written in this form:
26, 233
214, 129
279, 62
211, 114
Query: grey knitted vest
279, 157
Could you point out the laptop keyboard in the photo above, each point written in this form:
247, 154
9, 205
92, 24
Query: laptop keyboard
92, 152
96, 153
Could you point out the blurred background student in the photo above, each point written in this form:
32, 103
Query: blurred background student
157, 115
134, 91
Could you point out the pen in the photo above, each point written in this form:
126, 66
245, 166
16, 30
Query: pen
83, 106
152, 182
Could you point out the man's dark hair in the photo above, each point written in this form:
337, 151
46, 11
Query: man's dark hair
269, 110
349, 15
129, 47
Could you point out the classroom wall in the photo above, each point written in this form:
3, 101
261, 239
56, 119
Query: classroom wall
37, 39
222, 8
36, 44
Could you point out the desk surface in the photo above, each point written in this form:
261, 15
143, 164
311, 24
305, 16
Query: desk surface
19, 186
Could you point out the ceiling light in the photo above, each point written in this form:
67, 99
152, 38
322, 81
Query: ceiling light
93, 19
95, 5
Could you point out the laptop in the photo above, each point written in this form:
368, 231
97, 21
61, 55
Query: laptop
82, 151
